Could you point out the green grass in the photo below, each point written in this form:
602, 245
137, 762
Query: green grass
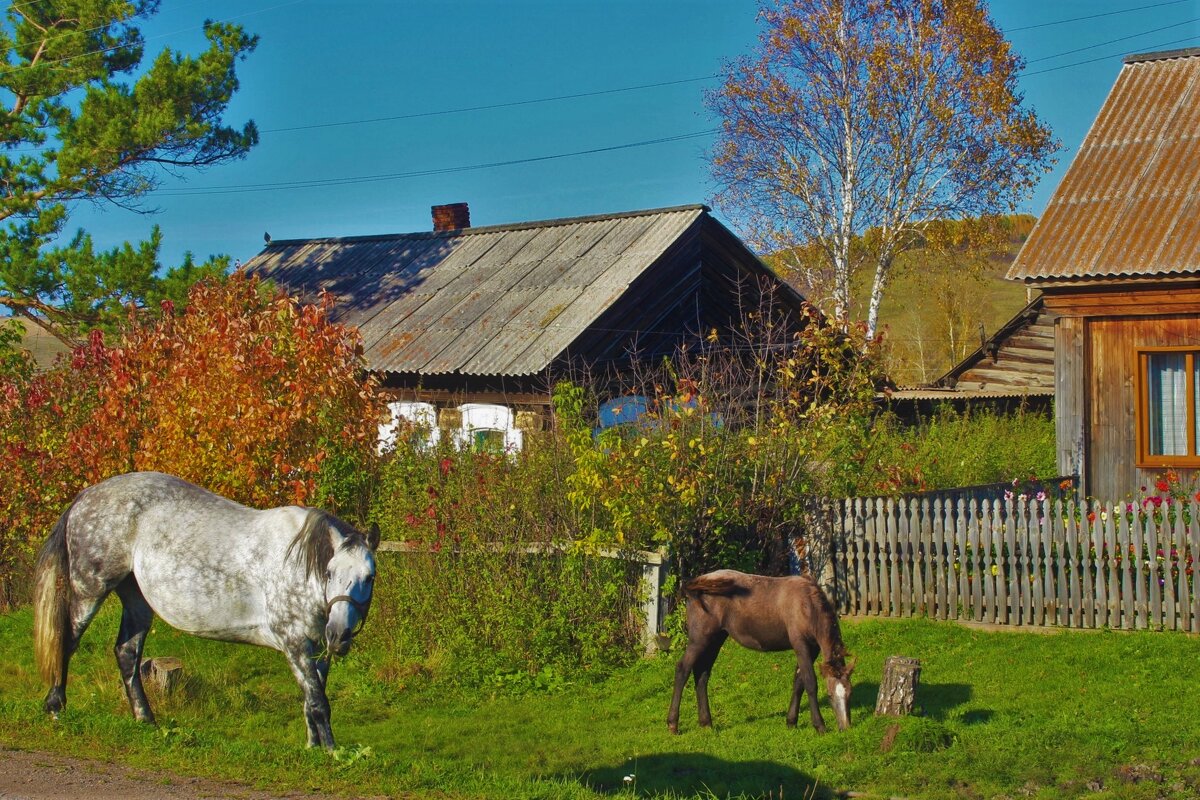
1010, 713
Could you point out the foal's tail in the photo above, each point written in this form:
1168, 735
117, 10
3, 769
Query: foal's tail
51, 602
712, 584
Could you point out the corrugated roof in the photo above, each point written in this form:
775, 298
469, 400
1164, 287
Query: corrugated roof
1129, 205
496, 300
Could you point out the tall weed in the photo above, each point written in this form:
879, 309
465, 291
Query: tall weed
953, 448
491, 588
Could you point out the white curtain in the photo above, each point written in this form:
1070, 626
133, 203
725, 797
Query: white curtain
1168, 404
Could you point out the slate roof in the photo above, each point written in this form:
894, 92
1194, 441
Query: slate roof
496, 300
1129, 205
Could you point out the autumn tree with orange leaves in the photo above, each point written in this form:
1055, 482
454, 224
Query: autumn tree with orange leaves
246, 392
856, 124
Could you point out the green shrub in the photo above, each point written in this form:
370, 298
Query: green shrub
955, 448
492, 591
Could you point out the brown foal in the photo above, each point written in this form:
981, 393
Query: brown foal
766, 614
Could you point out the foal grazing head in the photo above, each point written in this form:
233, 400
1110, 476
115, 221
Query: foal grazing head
348, 574
837, 683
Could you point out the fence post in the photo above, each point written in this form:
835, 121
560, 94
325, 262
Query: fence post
654, 573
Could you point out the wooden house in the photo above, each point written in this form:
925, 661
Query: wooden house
469, 326
1014, 367
1116, 256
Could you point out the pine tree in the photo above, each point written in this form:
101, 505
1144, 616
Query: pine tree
86, 120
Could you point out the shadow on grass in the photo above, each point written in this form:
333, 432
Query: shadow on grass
938, 699
978, 716
697, 773
863, 694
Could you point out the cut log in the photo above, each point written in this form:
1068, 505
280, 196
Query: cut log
164, 672
898, 686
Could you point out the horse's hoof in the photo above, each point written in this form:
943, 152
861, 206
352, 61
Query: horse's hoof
55, 702
673, 728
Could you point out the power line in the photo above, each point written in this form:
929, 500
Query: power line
1151, 48
465, 109
325, 182
1096, 16
1114, 41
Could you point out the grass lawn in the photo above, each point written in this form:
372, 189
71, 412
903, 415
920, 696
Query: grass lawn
1006, 713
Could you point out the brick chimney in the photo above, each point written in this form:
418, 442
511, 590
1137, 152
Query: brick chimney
451, 217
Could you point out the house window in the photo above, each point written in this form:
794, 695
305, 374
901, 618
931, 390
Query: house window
423, 419
489, 428
1168, 389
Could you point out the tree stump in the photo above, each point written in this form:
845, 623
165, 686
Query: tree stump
898, 686
164, 672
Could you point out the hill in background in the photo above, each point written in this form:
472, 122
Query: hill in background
940, 305
938, 308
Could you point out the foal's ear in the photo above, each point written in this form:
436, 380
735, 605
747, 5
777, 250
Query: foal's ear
373, 536
850, 667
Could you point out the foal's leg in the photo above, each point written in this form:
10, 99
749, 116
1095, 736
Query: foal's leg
682, 670
699, 656
703, 670
311, 674
135, 624
81, 611
805, 680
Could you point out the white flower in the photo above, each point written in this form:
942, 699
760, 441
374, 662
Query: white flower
629, 778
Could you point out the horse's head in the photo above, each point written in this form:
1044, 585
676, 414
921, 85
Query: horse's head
349, 582
837, 682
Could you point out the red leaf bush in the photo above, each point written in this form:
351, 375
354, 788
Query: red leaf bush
247, 392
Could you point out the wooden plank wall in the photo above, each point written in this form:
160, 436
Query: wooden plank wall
1069, 397
1111, 394
1019, 561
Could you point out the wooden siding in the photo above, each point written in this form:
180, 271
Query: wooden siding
1069, 405
1159, 297
1111, 397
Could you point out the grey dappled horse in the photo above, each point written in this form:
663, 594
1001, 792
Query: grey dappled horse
295, 579
766, 614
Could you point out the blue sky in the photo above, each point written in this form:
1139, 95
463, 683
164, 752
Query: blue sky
320, 63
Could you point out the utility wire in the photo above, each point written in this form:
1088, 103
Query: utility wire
465, 109
1096, 16
324, 182
1114, 41
1151, 48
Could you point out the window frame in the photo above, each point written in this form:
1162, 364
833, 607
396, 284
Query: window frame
1142, 411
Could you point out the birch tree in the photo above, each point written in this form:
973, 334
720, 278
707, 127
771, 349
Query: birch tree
855, 124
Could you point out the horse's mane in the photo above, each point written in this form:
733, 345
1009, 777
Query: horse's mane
827, 630
312, 543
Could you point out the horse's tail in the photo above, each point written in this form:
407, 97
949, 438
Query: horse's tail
711, 584
51, 603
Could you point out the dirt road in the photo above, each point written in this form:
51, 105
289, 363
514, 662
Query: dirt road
42, 776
